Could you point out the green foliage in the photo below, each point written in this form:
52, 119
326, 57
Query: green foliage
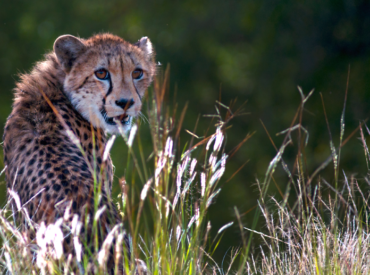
256, 51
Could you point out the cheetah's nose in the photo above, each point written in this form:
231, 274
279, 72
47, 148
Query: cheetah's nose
124, 103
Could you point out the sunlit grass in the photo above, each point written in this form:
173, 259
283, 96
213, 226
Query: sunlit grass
166, 193
325, 231
164, 213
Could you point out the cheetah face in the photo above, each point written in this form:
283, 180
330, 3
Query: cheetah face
106, 78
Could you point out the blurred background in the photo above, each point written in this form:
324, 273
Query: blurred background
254, 51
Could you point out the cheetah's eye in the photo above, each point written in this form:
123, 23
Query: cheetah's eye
102, 74
137, 74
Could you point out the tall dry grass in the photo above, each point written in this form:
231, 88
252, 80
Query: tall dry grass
166, 193
166, 219
325, 231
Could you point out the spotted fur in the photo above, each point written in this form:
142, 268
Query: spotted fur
61, 103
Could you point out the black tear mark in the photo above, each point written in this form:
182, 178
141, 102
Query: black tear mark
110, 86
137, 93
109, 90
83, 83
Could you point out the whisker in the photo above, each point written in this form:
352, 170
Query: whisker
143, 117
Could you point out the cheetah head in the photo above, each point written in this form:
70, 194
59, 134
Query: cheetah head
106, 77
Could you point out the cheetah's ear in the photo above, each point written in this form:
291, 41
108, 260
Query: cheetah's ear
145, 44
68, 48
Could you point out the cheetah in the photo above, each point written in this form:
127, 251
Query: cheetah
56, 134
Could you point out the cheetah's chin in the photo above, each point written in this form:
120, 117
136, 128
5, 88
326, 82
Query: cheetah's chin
123, 119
